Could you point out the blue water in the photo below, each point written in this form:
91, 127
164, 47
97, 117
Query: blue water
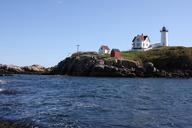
84, 102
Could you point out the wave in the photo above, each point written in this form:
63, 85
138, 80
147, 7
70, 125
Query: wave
1, 89
91, 106
7, 91
3, 82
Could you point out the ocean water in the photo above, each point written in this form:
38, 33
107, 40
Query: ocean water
88, 102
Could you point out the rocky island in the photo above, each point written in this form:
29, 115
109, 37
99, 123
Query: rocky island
159, 62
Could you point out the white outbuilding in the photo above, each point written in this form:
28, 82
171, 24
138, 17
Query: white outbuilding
141, 43
104, 49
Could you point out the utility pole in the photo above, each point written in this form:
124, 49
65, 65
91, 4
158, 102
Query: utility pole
78, 49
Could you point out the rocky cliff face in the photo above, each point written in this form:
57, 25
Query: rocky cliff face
91, 64
13, 69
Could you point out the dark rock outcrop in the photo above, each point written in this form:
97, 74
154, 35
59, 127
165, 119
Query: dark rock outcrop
150, 64
10, 69
105, 70
149, 67
91, 64
77, 66
16, 124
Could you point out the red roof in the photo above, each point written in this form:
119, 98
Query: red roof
105, 47
142, 37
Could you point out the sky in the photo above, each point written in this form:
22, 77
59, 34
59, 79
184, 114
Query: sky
46, 31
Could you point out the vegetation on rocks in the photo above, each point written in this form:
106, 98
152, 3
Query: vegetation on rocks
160, 62
165, 58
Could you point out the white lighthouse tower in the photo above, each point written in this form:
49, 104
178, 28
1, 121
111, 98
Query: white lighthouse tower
164, 36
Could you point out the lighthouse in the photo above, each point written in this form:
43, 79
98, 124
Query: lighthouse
164, 36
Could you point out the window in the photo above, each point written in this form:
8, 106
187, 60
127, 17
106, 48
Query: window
138, 39
138, 44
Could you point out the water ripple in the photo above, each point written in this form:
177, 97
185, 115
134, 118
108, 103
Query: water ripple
81, 102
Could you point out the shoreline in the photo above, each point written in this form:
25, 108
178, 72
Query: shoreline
144, 77
164, 62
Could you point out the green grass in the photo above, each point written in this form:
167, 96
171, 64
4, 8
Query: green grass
105, 56
130, 55
168, 58
125, 54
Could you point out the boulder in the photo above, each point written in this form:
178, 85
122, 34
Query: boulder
13, 69
105, 70
139, 70
131, 75
129, 63
34, 68
149, 67
10, 69
4, 123
122, 63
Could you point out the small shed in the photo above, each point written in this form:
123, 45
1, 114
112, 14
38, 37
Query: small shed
115, 53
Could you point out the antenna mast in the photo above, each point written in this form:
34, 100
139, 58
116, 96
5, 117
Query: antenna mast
78, 49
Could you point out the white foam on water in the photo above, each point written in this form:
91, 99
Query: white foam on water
2, 82
85, 105
1, 89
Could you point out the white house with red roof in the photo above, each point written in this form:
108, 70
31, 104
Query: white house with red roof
141, 43
104, 49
